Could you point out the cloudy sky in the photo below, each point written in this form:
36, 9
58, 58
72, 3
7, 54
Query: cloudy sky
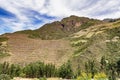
31, 14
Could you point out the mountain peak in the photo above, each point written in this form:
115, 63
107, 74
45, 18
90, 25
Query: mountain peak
61, 29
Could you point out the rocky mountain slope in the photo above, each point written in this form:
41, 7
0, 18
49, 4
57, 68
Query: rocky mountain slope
78, 39
61, 29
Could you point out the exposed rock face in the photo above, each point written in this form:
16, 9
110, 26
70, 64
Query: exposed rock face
63, 28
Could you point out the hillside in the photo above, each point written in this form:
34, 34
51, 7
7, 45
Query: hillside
97, 41
61, 29
25, 50
78, 39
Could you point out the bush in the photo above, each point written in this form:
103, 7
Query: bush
65, 71
3, 39
100, 76
87, 76
4, 77
84, 76
22, 75
43, 78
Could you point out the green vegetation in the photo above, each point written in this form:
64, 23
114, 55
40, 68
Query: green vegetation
113, 46
98, 76
65, 71
108, 70
42, 78
80, 46
118, 67
90, 68
113, 32
3, 39
4, 77
106, 44
62, 29
96, 57
3, 47
37, 70
89, 23
3, 54
116, 23
42, 71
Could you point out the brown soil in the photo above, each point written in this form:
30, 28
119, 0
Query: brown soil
25, 50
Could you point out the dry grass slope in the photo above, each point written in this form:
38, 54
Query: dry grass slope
25, 50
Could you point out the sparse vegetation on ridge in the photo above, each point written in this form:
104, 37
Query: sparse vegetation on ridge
64, 28
3, 47
3, 39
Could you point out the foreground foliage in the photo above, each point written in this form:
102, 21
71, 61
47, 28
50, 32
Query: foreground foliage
106, 70
36, 70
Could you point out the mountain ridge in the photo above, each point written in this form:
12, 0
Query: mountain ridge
61, 29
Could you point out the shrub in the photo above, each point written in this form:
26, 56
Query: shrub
87, 76
84, 76
4, 77
22, 75
65, 71
43, 78
100, 76
3, 39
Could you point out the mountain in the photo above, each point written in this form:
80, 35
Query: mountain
74, 38
61, 29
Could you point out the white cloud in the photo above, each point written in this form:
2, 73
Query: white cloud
99, 9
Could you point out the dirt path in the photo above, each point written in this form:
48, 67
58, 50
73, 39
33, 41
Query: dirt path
18, 78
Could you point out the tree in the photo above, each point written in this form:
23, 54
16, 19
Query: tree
5, 77
103, 64
90, 68
41, 69
111, 71
87, 68
5, 68
30, 70
14, 70
78, 71
118, 68
65, 71
50, 70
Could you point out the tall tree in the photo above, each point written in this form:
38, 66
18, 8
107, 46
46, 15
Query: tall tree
111, 71
118, 67
65, 71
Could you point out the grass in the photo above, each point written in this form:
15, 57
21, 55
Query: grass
117, 23
88, 24
3, 39
81, 47
97, 45
3, 49
42, 79
113, 47
113, 32
114, 50
4, 55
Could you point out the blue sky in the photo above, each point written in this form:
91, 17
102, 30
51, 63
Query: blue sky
18, 15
